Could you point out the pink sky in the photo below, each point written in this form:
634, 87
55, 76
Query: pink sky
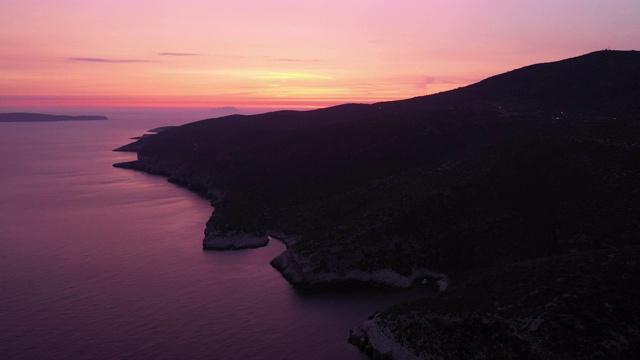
286, 53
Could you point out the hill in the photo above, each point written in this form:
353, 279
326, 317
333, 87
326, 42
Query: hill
509, 157
538, 162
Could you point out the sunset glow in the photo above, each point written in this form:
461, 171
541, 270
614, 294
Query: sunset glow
285, 53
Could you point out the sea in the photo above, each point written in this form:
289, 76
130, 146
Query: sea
104, 263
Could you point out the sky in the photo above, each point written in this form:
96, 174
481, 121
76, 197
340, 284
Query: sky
284, 54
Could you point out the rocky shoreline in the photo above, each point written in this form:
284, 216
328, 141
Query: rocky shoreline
240, 241
377, 342
301, 272
297, 269
213, 239
576, 306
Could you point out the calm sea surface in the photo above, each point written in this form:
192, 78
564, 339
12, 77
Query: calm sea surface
105, 263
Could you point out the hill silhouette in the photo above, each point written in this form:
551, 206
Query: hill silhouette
534, 163
519, 142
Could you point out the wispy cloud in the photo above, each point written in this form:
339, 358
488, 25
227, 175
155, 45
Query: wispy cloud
293, 76
227, 56
298, 60
426, 82
104, 60
224, 111
178, 54
445, 80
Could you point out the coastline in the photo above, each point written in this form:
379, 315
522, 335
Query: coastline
297, 269
377, 342
213, 241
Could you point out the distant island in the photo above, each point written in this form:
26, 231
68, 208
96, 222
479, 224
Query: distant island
516, 198
32, 117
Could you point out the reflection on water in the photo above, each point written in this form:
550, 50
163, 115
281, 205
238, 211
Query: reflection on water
98, 262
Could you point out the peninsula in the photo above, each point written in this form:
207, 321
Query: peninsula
32, 117
517, 195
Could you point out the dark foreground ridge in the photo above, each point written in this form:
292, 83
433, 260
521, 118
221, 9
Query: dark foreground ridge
577, 306
537, 163
31, 117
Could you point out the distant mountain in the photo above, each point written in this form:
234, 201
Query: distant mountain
223, 111
539, 162
31, 117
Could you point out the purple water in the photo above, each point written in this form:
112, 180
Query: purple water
105, 263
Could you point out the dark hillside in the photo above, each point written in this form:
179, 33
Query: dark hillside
603, 83
532, 162
538, 166
579, 306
